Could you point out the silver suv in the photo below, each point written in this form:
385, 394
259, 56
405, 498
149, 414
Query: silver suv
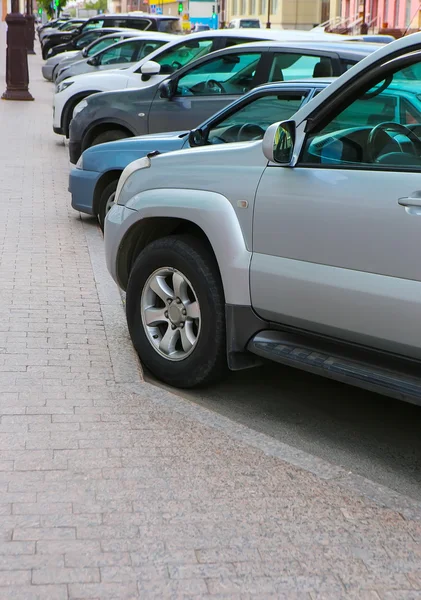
302, 248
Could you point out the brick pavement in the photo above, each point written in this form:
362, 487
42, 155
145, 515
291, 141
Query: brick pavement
113, 489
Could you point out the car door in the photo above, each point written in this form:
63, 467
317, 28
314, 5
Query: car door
204, 89
336, 238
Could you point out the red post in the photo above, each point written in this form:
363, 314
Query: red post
17, 76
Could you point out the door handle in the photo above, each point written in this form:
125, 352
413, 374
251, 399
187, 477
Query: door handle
410, 201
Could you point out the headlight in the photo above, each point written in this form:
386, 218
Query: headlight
136, 165
63, 85
79, 107
79, 164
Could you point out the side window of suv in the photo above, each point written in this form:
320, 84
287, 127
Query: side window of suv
227, 74
181, 54
370, 130
287, 66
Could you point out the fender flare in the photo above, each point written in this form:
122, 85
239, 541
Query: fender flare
215, 216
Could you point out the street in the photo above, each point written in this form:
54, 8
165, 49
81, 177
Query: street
273, 484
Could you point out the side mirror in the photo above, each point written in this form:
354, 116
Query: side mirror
279, 142
85, 52
166, 89
197, 137
150, 68
94, 61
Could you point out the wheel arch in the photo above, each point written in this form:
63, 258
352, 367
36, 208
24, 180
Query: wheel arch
207, 215
105, 179
67, 113
103, 126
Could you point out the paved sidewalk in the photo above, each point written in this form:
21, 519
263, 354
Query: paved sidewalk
111, 489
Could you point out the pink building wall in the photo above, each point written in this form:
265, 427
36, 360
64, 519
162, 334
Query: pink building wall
398, 14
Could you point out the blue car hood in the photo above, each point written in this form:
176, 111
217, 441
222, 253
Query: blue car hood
117, 155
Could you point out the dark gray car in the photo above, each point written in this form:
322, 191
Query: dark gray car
202, 88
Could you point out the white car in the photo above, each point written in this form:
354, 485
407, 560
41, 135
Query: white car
161, 63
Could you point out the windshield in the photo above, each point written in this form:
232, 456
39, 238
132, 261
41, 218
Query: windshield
251, 121
169, 25
181, 54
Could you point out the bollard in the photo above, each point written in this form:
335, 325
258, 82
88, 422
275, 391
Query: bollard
17, 76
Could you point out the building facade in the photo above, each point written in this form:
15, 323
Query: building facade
384, 14
289, 14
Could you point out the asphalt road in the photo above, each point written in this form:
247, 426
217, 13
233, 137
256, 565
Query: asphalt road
373, 436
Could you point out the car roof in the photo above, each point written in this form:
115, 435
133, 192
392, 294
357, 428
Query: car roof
276, 86
134, 15
343, 48
148, 35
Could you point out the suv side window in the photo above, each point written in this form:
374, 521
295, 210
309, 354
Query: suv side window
287, 66
251, 121
227, 74
96, 24
141, 24
181, 54
370, 131
102, 44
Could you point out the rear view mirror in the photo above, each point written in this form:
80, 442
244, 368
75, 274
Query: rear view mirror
279, 141
166, 89
197, 137
150, 68
94, 61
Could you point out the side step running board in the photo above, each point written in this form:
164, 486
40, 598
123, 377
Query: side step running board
372, 371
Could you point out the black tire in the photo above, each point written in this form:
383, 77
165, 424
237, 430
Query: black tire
54, 73
208, 361
45, 50
103, 200
109, 136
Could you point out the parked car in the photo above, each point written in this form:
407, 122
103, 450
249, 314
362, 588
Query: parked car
112, 36
93, 182
197, 91
298, 248
83, 40
118, 56
161, 63
67, 25
143, 22
244, 23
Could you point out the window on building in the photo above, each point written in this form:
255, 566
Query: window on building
243, 7
396, 18
274, 7
408, 15
234, 7
252, 7
263, 7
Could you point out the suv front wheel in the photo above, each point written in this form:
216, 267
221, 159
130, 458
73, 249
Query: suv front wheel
176, 312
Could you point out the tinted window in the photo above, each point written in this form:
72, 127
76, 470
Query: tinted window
251, 121
95, 24
181, 54
87, 38
133, 23
286, 67
169, 25
371, 130
227, 74
249, 24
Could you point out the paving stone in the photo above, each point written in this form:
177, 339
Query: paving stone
112, 489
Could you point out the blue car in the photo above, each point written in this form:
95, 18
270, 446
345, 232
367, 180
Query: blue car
93, 181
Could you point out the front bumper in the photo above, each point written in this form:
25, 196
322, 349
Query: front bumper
82, 188
75, 151
117, 222
47, 71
